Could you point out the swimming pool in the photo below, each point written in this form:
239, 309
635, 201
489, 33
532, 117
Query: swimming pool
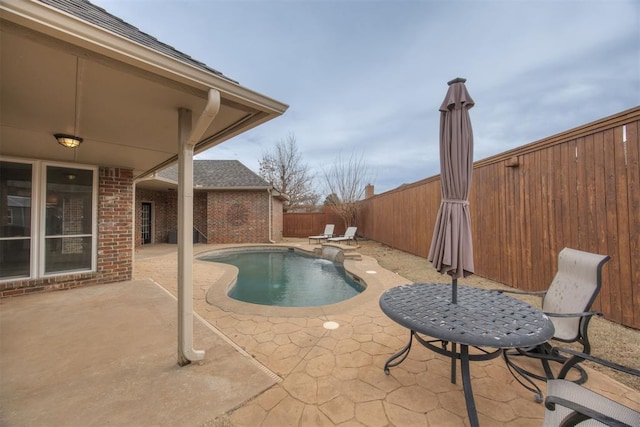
287, 278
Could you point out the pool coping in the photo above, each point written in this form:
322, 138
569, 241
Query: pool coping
366, 270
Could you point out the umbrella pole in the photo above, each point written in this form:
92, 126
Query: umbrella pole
454, 291
454, 300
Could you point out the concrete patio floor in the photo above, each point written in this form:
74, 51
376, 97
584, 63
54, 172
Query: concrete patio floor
90, 357
106, 355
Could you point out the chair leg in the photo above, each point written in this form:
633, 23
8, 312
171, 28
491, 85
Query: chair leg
572, 363
547, 368
521, 374
541, 352
546, 355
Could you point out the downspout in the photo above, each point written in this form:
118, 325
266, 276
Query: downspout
270, 216
188, 138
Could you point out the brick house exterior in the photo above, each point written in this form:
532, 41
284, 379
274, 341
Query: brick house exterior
231, 204
115, 230
72, 72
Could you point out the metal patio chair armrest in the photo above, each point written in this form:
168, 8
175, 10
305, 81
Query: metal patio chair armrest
519, 292
579, 356
580, 413
585, 317
583, 314
573, 360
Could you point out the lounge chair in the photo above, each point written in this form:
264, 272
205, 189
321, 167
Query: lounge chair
328, 232
349, 235
568, 404
567, 303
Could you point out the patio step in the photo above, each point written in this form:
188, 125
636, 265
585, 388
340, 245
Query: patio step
355, 256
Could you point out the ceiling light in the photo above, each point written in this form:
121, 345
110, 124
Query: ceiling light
68, 141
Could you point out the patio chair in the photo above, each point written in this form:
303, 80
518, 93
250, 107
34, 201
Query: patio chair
328, 232
568, 404
349, 235
567, 303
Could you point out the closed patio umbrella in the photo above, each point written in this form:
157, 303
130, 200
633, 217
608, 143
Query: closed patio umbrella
451, 248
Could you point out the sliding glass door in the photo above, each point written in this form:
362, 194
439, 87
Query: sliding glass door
48, 219
68, 219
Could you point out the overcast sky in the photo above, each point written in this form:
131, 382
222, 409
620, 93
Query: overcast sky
368, 77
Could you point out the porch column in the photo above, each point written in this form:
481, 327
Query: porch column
188, 138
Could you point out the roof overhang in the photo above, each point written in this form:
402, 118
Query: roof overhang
153, 182
157, 183
245, 188
60, 74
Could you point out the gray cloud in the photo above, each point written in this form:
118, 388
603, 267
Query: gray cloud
369, 76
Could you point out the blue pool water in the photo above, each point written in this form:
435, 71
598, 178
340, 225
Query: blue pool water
287, 278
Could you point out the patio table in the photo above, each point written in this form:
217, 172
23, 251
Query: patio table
486, 320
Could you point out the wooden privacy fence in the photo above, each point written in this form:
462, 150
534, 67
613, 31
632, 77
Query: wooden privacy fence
311, 223
578, 189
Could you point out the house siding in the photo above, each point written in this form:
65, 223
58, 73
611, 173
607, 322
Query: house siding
115, 240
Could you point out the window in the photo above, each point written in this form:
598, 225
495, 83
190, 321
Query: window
68, 219
15, 224
50, 225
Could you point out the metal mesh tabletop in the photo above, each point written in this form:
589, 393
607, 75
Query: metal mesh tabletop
481, 317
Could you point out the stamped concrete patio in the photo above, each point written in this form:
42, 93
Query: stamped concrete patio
335, 376
105, 355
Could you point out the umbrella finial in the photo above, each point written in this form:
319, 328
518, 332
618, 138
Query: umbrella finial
457, 80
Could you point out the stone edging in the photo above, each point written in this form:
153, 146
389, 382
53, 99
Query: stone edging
217, 293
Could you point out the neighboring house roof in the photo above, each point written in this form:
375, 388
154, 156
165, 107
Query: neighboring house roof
100, 17
218, 174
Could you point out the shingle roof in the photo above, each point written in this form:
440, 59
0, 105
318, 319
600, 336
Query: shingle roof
96, 15
218, 174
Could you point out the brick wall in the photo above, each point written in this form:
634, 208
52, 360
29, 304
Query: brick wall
115, 242
238, 217
164, 213
200, 214
222, 216
115, 228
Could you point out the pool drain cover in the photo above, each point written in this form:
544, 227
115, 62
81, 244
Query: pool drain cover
331, 325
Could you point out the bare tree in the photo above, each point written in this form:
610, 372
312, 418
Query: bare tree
345, 182
284, 169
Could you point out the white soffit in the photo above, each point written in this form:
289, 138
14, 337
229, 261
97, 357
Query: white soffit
91, 84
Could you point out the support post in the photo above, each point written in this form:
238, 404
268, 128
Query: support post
186, 353
188, 137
